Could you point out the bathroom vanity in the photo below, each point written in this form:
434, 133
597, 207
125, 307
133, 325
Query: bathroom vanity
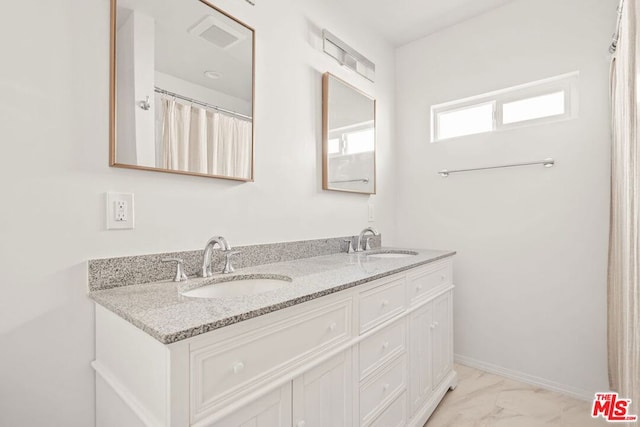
352, 340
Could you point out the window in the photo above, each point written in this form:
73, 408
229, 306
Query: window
359, 142
533, 108
465, 121
538, 102
350, 140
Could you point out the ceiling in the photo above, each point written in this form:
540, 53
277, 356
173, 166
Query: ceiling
404, 21
187, 56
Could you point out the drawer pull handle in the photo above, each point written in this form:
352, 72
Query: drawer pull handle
238, 367
333, 326
385, 387
301, 423
385, 302
385, 345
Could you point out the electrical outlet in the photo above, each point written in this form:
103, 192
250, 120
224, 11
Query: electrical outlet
119, 211
120, 215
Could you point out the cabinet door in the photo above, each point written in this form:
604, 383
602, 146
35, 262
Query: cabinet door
272, 410
420, 349
323, 396
442, 338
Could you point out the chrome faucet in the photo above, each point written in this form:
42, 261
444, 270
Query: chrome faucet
228, 266
180, 275
359, 246
208, 250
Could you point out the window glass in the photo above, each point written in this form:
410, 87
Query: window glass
533, 108
334, 146
360, 142
465, 121
542, 101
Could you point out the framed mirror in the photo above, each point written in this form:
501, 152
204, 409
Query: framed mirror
349, 138
182, 89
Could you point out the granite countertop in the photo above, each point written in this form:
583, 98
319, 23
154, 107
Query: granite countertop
163, 312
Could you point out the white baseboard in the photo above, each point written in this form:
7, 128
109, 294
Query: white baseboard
525, 378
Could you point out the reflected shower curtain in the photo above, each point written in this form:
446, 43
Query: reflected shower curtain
624, 242
228, 145
199, 140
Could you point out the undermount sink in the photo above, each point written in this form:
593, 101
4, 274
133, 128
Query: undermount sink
392, 254
231, 286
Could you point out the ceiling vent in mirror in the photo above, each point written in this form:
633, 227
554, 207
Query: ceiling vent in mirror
217, 32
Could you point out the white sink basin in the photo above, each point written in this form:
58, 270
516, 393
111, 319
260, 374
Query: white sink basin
239, 285
392, 254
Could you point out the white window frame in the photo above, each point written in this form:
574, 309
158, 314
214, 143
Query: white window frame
340, 133
462, 105
566, 83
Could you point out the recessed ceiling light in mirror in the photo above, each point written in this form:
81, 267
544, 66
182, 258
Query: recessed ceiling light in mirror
213, 74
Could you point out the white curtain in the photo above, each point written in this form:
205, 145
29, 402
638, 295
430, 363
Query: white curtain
624, 243
229, 145
205, 141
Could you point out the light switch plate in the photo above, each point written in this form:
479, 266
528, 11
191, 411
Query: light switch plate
120, 213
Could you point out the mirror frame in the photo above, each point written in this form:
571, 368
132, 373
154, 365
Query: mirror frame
112, 100
325, 135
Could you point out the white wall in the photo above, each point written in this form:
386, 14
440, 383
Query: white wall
144, 48
135, 75
202, 93
126, 93
54, 128
532, 243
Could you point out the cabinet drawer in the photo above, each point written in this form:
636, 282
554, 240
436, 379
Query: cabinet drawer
395, 415
381, 303
381, 347
223, 371
421, 282
383, 388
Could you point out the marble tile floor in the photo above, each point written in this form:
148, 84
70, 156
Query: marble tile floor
486, 400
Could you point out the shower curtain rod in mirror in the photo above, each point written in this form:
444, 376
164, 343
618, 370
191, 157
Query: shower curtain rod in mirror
616, 35
204, 104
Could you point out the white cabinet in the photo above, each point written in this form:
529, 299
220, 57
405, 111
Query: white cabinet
225, 366
442, 338
322, 396
319, 397
420, 355
378, 354
430, 351
381, 389
395, 415
271, 410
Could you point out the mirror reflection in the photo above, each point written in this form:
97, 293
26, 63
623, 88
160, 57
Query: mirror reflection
182, 91
348, 138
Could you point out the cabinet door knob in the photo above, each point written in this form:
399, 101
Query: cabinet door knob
238, 367
433, 326
385, 345
333, 326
